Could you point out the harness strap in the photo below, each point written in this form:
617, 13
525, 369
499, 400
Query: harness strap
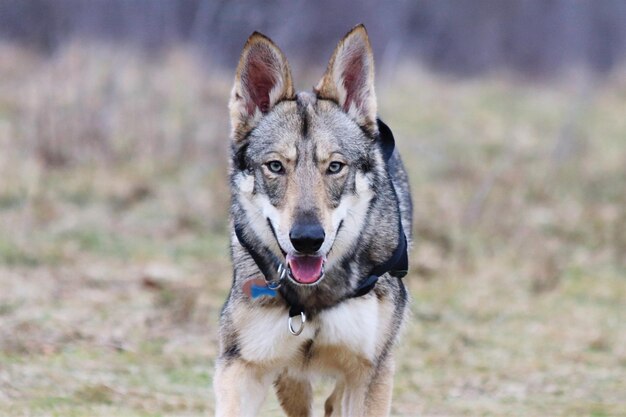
398, 264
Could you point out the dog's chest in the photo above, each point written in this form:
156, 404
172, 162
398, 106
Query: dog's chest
352, 326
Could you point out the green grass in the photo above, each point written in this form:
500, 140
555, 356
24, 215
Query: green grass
114, 239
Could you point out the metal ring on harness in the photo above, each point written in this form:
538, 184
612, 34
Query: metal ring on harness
302, 321
274, 285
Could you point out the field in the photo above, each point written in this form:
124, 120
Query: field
114, 250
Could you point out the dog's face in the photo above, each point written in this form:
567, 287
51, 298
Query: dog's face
302, 164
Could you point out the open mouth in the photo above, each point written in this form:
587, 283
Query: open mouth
305, 269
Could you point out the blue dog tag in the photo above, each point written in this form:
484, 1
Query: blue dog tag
257, 291
257, 287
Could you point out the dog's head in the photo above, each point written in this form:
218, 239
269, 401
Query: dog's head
304, 166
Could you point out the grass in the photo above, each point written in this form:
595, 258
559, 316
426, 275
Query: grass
114, 240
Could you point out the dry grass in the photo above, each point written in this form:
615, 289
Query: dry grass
113, 248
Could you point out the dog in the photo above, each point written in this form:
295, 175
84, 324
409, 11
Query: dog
321, 218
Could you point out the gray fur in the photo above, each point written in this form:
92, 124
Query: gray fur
379, 236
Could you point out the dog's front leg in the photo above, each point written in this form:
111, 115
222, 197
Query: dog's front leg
332, 406
378, 400
368, 393
295, 395
240, 388
353, 404
355, 393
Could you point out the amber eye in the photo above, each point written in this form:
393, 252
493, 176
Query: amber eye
276, 167
335, 167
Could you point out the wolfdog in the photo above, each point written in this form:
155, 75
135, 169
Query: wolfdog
321, 220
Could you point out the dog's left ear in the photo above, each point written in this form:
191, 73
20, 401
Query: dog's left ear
349, 78
263, 79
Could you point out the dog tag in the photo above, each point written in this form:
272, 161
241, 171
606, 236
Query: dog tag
257, 287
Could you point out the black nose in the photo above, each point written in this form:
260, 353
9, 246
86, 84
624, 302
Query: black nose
307, 237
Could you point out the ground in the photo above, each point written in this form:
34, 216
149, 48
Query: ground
114, 251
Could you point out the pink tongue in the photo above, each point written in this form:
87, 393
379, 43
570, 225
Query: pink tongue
305, 269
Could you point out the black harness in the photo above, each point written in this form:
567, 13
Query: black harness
273, 269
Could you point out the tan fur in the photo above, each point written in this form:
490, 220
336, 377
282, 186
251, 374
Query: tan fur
357, 377
241, 389
332, 406
295, 396
378, 401
362, 388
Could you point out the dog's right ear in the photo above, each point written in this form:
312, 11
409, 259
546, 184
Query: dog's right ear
263, 78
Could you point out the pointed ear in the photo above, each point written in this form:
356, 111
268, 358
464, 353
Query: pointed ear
349, 78
263, 78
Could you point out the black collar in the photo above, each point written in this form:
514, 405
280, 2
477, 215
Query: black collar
396, 265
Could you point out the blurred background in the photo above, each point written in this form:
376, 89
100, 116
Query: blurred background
511, 118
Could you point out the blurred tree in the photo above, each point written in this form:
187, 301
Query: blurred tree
463, 37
